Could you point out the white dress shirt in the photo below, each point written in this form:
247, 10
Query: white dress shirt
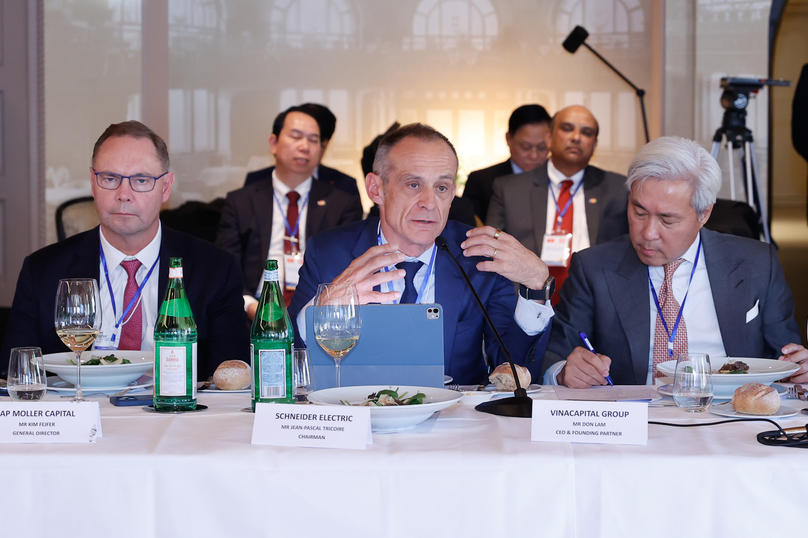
703, 332
118, 279
580, 231
531, 316
281, 204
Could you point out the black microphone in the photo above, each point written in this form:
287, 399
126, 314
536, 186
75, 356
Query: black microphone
520, 405
575, 39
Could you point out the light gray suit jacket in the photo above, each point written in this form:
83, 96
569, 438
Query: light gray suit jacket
519, 206
607, 297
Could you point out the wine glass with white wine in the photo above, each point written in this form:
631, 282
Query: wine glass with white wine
337, 322
77, 317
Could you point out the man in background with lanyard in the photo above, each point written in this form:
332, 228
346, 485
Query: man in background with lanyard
273, 218
671, 286
128, 255
565, 205
394, 259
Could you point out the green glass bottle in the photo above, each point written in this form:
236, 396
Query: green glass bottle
175, 348
271, 340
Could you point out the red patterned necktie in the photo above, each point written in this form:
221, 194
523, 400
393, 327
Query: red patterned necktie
288, 248
560, 273
670, 309
132, 330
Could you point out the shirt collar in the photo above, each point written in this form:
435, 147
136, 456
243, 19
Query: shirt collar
516, 168
147, 256
690, 253
283, 189
556, 177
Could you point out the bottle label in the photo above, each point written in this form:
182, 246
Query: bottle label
177, 308
271, 276
175, 272
272, 373
177, 365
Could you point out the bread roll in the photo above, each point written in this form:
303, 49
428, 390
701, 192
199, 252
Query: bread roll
232, 375
756, 399
502, 377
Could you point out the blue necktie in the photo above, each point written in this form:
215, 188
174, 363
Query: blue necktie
410, 294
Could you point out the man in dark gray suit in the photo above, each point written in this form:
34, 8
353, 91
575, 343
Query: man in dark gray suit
527, 205
275, 217
717, 294
528, 140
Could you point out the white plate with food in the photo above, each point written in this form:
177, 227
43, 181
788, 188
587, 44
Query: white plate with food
532, 389
447, 379
57, 385
765, 371
390, 418
667, 390
99, 376
726, 410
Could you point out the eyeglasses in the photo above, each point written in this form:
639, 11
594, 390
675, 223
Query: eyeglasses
138, 183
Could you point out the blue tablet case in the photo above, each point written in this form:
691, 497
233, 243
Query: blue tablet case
399, 345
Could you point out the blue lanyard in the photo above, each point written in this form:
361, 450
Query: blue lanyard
672, 335
290, 233
421, 291
559, 211
134, 299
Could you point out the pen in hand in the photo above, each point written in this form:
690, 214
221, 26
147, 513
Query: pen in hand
590, 348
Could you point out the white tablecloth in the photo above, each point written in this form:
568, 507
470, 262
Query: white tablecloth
464, 474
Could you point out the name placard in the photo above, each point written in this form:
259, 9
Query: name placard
49, 422
312, 426
616, 423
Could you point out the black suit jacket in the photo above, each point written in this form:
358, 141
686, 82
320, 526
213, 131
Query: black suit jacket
246, 225
607, 297
519, 206
212, 284
480, 186
332, 176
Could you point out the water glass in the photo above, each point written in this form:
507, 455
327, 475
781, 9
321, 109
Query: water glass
692, 382
26, 374
304, 384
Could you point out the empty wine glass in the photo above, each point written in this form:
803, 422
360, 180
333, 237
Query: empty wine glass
692, 382
26, 374
301, 367
337, 322
77, 317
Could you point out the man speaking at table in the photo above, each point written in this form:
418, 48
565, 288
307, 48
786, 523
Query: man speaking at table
130, 180
413, 184
730, 291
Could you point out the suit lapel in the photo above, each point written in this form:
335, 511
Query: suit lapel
263, 205
538, 205
316, 207
450, 293
628, 287
593, 190
729, 284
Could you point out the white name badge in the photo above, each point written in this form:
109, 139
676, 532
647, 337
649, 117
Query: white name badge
615, 423
556, 249
49, 422
292, 264
312, 426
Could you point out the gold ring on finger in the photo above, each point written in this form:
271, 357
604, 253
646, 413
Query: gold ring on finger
496, 235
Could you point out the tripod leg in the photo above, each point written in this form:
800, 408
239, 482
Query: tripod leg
731, 169
764, 217
751, 192
716, 149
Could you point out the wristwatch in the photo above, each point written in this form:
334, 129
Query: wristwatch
544, 294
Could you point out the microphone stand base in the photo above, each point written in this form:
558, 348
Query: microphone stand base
515, 406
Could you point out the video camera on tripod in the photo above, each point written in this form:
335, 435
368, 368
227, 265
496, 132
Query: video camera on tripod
733, 130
